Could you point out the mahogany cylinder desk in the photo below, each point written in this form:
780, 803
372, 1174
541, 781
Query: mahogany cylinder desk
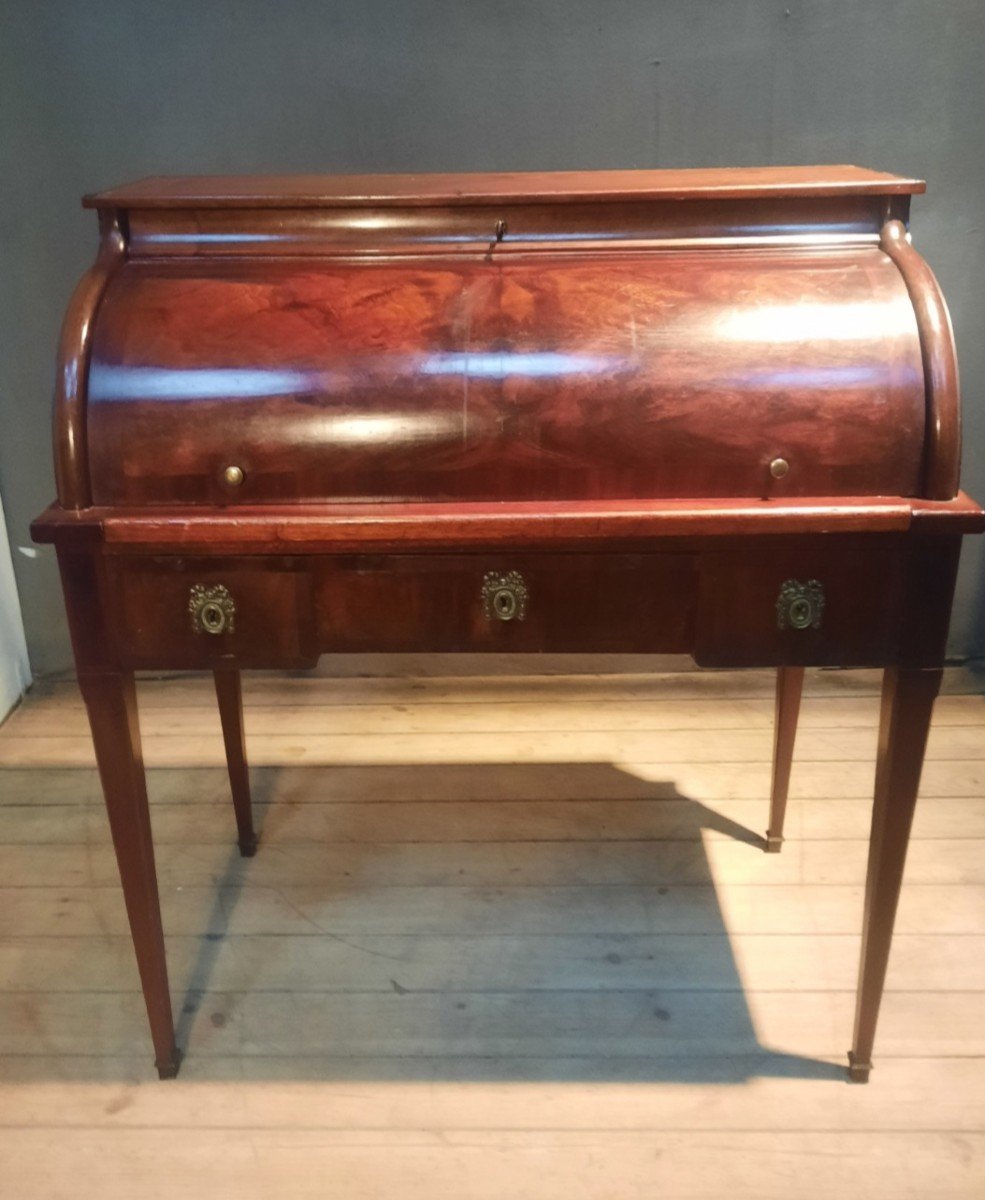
703, 412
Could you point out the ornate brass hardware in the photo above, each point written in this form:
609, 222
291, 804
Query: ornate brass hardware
211, 609
800, 605
504, 596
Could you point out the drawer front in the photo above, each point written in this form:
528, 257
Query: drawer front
590, 603
801, 606
176, 612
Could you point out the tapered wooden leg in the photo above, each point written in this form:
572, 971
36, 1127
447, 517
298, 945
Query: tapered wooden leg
789, 685
908, 696
111, 702
229, 693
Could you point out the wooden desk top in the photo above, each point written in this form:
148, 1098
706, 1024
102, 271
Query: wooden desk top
328, 191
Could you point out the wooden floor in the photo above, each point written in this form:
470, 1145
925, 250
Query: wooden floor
504, 936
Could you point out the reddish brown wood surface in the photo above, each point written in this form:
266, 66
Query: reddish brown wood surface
533, 229
712, 597
319, 529
907, 705
576, 602
862, 581
285, 191
576, 383
289, 611
111, 702
789, 686
229, 695
272, 625
940, 365
677, 374
71, 375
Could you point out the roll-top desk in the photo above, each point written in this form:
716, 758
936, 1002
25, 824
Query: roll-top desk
705, 412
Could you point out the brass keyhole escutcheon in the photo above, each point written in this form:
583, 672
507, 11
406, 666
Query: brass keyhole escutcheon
800, 605
504, 596
800, 614
213, 617
211, 609
504, 603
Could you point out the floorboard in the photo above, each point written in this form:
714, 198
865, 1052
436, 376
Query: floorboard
506, 933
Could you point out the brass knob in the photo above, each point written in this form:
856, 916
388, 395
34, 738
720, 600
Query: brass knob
779, 467
211, 609
504, 597
800, 605
233, 476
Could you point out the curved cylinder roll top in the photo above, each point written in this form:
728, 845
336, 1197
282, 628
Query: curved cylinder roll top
740, 366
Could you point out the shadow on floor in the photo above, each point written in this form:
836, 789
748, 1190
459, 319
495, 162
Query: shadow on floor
492, 948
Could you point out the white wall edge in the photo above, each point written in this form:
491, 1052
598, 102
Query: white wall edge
15, 669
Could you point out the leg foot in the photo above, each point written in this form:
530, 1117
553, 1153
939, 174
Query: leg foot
168, 1068
858, 1072
248, 846
789, 685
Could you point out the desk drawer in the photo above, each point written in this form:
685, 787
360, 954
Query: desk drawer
799, 606
187, 612
509, 602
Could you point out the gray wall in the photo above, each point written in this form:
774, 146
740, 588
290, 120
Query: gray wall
93, 94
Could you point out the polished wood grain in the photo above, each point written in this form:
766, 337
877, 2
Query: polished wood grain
861, 578
296, 191
715, 601
69, 432
331, 528
511, 227
656, 399
576, 602
272, 626
940, 363
675, 375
